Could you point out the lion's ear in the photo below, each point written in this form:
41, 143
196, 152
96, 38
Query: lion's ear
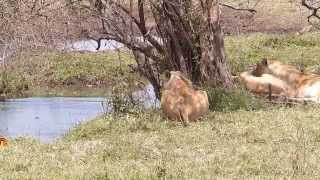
264, 61
166, 74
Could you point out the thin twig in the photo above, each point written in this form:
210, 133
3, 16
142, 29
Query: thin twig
253, 11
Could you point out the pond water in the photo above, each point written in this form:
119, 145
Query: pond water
92, 45
48, 118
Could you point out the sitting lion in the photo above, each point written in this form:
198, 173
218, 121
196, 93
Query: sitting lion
179, 101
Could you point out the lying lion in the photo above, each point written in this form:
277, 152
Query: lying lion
265, 84
179, 101
287, 79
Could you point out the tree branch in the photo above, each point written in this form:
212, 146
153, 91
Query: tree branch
143, 28
253, 11
311, 8
135, 20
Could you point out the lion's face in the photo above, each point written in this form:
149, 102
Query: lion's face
177, 79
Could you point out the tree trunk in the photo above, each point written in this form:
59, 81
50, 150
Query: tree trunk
149, 69
191, 38
214, 67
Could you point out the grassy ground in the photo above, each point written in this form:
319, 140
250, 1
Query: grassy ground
246, 50
279, 142
242, 137
49, 73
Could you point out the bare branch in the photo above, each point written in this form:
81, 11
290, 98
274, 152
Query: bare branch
238, 9
135, 20
311, 8
143, 28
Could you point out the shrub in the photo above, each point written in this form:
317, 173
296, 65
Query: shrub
12, 83
221, 100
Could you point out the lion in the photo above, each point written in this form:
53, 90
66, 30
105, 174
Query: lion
265, 84
179, 100
303, 84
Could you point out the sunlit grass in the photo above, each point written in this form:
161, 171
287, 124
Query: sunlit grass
280, 142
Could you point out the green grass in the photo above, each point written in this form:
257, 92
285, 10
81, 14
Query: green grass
246, 50
13, 83
233, 100
280, 142
50, 71
89, 69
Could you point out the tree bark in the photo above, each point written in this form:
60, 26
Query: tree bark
149, 69
191, 39
214, 67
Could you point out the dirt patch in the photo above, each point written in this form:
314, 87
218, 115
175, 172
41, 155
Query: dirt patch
271, 17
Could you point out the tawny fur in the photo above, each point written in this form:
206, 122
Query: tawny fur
265, 84
302, 84
179, 101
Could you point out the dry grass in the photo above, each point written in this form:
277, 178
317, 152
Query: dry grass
276, 16
277, 143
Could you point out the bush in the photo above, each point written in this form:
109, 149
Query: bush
221, 100
12, 84
289, 40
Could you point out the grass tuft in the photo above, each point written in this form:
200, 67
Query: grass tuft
232, 100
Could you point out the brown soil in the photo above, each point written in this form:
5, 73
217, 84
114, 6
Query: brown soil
267, 19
